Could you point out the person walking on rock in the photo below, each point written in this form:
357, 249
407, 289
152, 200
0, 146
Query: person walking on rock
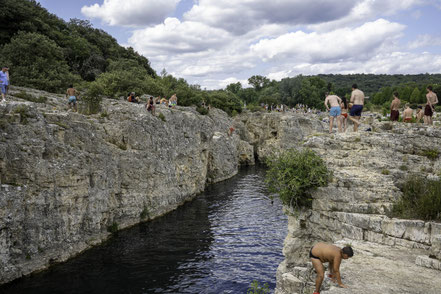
432, 99
334, 101
357, 101
4, 82
71, 93
395, 108
321, 253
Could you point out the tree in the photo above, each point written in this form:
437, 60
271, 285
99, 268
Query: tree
36, 61
234, 87
258, 82
415, 96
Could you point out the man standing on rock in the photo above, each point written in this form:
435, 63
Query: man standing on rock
335, 111
357, 101
321, 253
432, 99
395, 108
4, 82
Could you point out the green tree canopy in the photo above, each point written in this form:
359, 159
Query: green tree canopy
36, 61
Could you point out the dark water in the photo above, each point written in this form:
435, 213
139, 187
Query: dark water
219, 243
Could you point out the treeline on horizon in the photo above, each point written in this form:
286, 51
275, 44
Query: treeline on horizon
45, 52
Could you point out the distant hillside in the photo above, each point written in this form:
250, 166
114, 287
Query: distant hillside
371, 83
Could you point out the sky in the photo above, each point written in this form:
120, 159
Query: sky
213, 43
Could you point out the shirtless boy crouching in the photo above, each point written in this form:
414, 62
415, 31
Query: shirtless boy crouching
321, 253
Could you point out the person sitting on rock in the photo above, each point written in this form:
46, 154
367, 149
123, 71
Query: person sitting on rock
173, 101
164, 101
321, 253
132, 98
407, 114
150, 105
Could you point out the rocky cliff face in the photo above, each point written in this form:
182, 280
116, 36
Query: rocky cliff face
391, 255
68, 179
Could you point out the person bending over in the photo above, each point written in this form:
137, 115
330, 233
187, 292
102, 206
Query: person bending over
321, 253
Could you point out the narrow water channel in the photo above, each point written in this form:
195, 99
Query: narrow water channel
219, 243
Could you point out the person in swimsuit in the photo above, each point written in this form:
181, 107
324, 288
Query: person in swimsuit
72, 94
335, 111
407, 114
357, 101
323, 252
151, 105
344, 112
432, 99
394, 108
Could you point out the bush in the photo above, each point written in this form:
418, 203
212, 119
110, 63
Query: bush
421, 199
432, 154
162, 117
202, 110
294, 174
385, 172
256, 288
113, 228
90, 103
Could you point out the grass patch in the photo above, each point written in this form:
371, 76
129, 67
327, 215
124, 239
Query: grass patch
162, 117
256, 288
404, 167
104, 114
113, 228
421, 199
29, 97
145, 213
385, 172
24, 114
295, 174
432, 154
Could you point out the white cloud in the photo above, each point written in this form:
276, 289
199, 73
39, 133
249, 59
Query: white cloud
131, 12
425, 41
342, 44
239, 17
174, 36
221, 42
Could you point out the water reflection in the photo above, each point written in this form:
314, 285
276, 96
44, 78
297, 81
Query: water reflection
218, 243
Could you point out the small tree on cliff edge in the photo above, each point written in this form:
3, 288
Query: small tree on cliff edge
295, 174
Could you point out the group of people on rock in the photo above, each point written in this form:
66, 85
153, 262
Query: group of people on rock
152, 102
341, 110
425, 114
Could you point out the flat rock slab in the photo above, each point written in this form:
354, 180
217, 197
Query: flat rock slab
383, 269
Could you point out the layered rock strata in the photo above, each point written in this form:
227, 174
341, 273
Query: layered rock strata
369, 168
68, 179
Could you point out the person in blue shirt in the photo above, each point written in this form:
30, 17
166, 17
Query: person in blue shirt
4, 82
